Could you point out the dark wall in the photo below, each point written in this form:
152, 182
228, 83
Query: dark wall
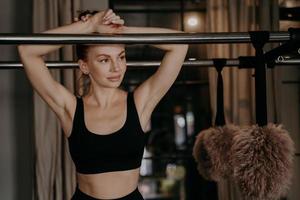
16, 141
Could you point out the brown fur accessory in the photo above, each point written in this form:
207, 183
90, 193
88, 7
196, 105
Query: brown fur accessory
262, 158
212, 151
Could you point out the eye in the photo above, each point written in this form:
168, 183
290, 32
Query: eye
103, 60
122, 57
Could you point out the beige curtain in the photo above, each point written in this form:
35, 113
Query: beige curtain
239, 94
55, 173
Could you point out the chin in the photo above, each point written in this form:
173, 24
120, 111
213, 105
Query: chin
114, 85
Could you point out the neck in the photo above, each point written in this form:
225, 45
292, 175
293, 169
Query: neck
100, 96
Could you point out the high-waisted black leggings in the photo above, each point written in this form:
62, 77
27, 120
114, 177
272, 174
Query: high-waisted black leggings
79, 195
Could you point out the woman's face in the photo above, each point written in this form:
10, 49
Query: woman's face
105, 64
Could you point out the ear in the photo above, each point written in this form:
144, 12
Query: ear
83, 67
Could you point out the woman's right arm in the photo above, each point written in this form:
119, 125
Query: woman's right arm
55, 94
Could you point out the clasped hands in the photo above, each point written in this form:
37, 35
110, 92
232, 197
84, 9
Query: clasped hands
102, 22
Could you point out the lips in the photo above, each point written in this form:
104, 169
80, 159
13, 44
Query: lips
114, 78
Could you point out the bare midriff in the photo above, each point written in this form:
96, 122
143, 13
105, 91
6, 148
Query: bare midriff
108, 185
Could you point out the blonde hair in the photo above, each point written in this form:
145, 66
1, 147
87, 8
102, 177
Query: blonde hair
81, 53
84, 84
84, 79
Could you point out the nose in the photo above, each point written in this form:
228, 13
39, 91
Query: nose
115, 67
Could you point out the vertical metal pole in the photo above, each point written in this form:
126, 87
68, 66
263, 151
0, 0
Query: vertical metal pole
259, 39
186, 99
182, 15
260, 91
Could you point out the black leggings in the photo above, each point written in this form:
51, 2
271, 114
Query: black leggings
79, 195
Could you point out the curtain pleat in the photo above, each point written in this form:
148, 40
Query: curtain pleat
55, 172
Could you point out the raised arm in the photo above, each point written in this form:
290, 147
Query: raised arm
55, 94
150, 92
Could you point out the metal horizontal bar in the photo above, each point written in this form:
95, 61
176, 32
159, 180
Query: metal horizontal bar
158, 10
147, 38
290, 82
288, 62
180, 157
177, 83
143, 64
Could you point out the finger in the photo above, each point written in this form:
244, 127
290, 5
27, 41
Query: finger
109, 20
120, 21
108, 12
117, 22
115, 19
108, 17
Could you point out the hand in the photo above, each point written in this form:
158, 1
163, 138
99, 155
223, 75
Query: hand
103, 22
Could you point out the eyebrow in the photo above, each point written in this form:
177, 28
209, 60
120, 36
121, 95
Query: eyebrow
109, 55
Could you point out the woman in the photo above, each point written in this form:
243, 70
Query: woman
106, 126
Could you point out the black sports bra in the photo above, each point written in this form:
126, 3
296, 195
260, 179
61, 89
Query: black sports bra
122, 150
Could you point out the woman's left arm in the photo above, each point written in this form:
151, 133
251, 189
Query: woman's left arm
151, 91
